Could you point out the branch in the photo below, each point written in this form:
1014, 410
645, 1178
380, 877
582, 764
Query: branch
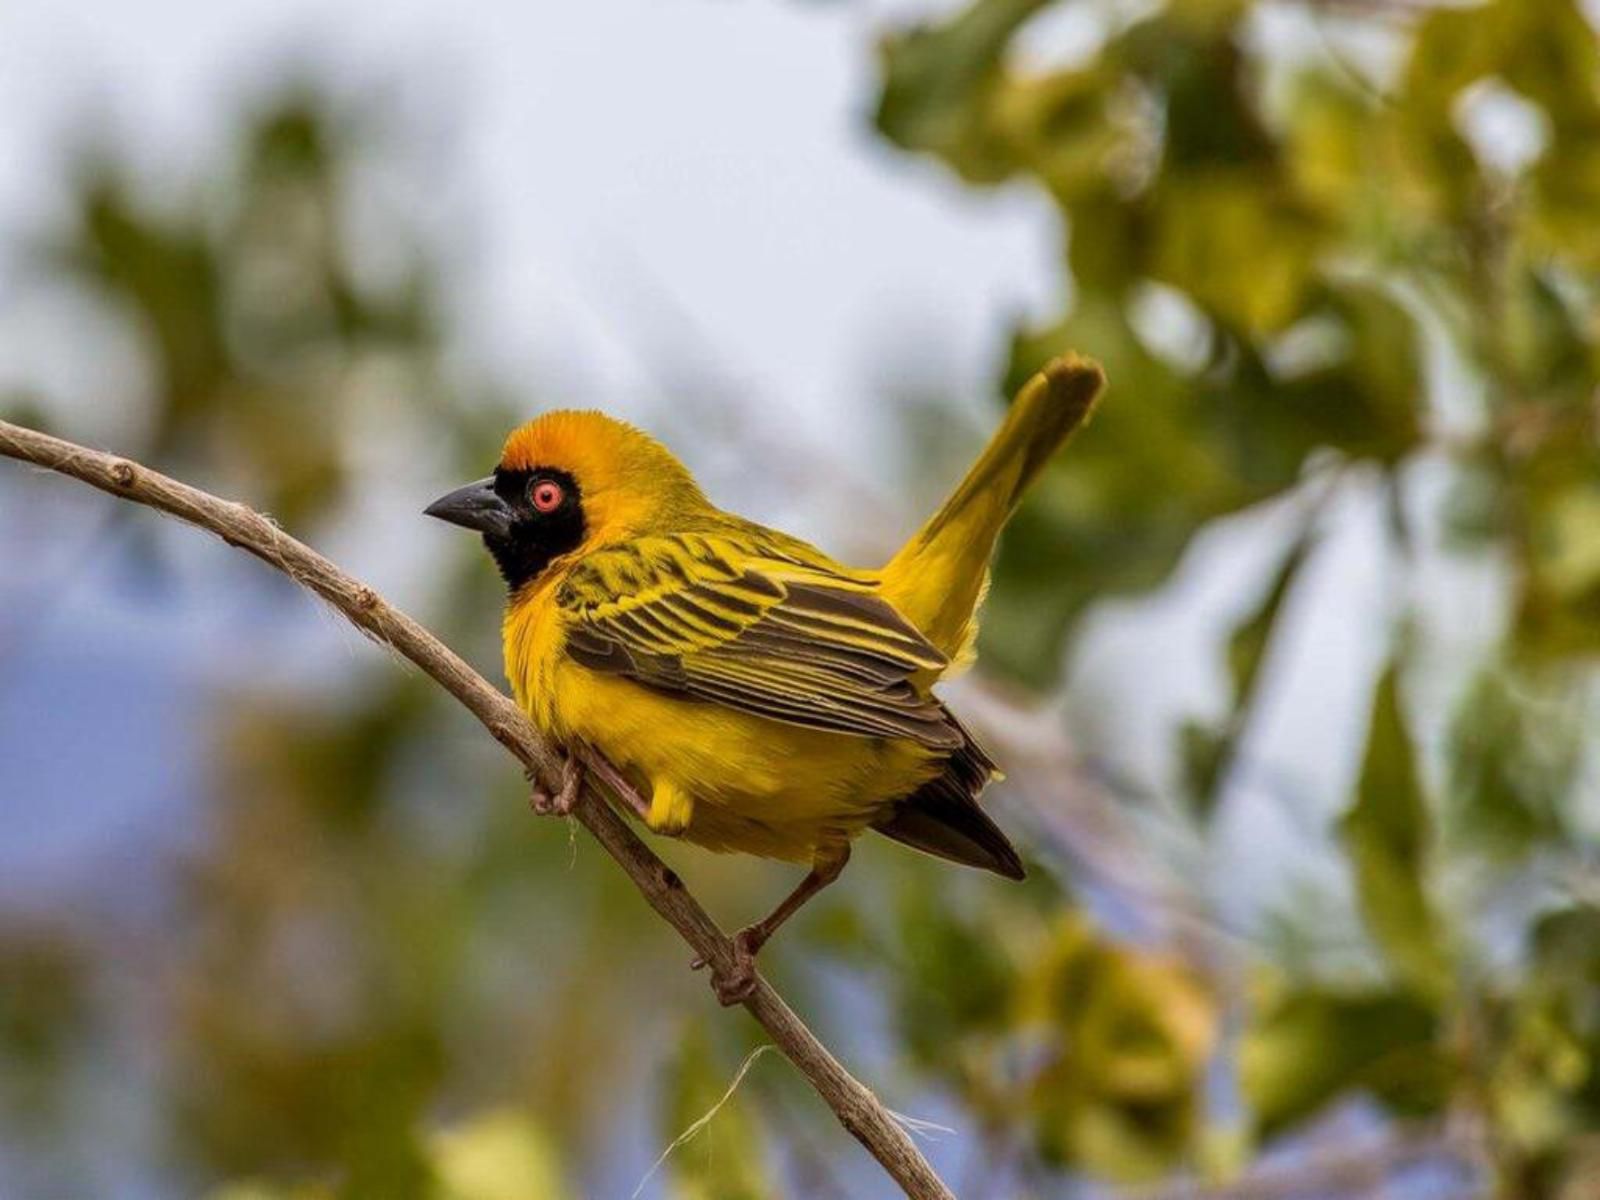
857, 1109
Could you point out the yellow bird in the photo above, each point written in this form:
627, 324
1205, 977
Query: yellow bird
764, 697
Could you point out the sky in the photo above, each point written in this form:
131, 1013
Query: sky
610, 175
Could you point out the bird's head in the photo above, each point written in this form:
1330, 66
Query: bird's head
567, 483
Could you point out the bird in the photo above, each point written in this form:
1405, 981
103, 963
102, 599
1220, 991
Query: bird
761, 696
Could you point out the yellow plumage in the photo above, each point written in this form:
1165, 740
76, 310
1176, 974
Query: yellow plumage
768, 699
719, 777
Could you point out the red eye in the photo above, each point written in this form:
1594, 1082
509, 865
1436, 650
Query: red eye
546, 495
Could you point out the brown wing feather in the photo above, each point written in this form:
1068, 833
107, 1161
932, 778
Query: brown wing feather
942, 817
704, 618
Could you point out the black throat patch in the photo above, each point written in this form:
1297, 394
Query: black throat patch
536, 538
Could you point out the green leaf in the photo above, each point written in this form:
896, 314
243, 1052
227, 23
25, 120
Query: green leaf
1551, 55
1508, 769
1198, 67
1061, 128
937, 85
1328, 150
1204, 752
1308, 1048
1387, 834
1247, 647
1559, 608
1208, 754
1548, 339
1109, 247
1381, 376
1567, 194
1453, 48
1125, 1036
1237, 243
1545, 1087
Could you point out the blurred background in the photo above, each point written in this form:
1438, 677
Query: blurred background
1290, 659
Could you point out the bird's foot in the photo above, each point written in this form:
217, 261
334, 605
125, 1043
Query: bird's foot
560, 804
738, 983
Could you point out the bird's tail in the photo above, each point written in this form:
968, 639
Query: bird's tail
942, 817
938, 578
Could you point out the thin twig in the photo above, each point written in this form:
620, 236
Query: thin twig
857, 1109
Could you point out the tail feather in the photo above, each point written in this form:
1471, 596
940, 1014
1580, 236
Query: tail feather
942, 817
938, 578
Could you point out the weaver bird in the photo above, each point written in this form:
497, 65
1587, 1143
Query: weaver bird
765, 698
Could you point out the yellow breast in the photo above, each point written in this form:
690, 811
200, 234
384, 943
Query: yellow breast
532, 637
749, 784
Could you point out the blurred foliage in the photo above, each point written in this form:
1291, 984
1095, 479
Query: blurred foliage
1209, 753
1274, 251
1307, 1048
1092, 1050
716, 1144
1126, 1036
497, 1155
43, 986
1304, 231
261, 334
1310, 277
1387, 835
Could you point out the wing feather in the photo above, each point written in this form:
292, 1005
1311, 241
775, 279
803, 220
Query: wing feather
772, 634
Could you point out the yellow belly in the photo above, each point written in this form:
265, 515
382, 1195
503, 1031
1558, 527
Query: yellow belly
720, 778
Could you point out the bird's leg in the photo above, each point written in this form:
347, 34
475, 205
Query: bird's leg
735, 986
620, 786
559, 805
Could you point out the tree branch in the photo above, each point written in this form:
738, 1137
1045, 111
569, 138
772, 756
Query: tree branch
857, 1109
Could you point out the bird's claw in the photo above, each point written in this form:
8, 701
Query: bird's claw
738, 983
566, 796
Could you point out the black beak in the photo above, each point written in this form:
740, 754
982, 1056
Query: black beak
477, 506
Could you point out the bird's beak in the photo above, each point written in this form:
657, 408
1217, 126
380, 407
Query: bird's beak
477, 506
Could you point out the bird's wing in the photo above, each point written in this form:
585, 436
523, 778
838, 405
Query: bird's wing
740, 621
